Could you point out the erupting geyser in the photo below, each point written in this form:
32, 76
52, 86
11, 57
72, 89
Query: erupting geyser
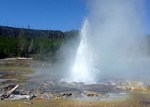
83, 69
112, 42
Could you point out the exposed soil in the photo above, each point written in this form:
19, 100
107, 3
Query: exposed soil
51, 92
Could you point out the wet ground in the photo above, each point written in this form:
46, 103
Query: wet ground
73, 90
40, 80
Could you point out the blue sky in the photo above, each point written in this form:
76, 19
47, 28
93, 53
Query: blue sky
48, 14
148, 15
43, 14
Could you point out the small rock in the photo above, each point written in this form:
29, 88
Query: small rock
20, 97
46, 96
91, 94
66, 94
28, 102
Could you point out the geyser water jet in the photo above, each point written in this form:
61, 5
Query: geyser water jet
113, 42
83, 69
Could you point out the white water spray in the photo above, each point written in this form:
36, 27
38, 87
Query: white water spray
83, 69
114, 32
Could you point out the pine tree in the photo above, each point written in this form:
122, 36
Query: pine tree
21, 43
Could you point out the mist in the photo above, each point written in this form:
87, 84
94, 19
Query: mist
118, 36
113, 45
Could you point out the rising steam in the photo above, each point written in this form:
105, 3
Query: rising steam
116, 34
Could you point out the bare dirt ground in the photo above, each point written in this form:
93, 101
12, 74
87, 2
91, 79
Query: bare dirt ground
61, 94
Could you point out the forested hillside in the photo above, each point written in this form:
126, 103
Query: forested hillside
19, 42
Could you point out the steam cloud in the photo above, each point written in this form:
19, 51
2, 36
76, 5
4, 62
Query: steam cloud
118, 38
118, 42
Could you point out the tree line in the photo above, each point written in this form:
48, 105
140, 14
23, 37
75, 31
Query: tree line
30, 46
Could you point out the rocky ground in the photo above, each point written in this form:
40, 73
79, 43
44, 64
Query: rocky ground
76, 95
17, 85
76, 91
